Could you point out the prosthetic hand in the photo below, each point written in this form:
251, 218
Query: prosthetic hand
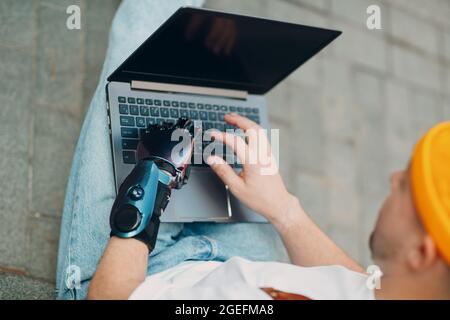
144, 194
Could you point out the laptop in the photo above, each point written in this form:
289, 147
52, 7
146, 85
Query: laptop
201, 64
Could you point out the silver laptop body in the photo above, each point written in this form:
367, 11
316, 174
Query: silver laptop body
205, 197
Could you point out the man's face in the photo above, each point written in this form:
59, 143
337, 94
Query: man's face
398, 224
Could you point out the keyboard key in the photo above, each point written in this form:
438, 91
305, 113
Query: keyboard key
122, 99
192, 105
131, 100
183, 104
134, 110
174, 113
216, 107
140, 101
248, 110
193, 114
166, 103
144, 111
160, 121
208, 125
240, 109
255, 110
200, 106
203, 115
123, 108
221, 115
233, 109
219, 126
212, 116
157, 102
149, 102
154, 111
129, 132
165, 112
184, 113
127, 121
150, 121
254, 118
140, 122
129, 157
208, 107
224, 108
175, 104
171, 121
129, 144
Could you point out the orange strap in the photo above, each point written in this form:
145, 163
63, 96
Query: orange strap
281, 295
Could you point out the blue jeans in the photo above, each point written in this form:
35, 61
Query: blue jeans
90, 191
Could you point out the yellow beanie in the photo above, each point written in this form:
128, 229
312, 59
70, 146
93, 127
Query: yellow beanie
430, 181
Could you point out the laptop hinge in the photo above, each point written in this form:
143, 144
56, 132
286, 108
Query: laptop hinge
168, 87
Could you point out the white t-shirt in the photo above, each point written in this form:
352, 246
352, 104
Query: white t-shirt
238, 278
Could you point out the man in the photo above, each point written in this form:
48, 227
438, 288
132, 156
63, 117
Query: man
243, 249
411, 241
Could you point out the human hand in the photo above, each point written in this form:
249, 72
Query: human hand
259, 185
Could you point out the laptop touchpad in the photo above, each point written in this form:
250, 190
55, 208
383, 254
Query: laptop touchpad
204, 197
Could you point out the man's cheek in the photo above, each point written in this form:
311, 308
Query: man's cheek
384, 210
385, 217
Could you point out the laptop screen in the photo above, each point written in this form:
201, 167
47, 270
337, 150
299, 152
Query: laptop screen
213, 49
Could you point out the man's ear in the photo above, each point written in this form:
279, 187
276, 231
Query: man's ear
423, 255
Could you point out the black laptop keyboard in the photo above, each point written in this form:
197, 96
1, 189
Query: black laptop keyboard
137, 113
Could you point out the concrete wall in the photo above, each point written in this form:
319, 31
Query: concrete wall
47, 77
347, 118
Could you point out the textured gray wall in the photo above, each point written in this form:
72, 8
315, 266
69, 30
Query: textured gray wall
347, 118
48, 75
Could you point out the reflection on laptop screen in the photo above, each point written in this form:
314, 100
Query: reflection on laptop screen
224, 50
